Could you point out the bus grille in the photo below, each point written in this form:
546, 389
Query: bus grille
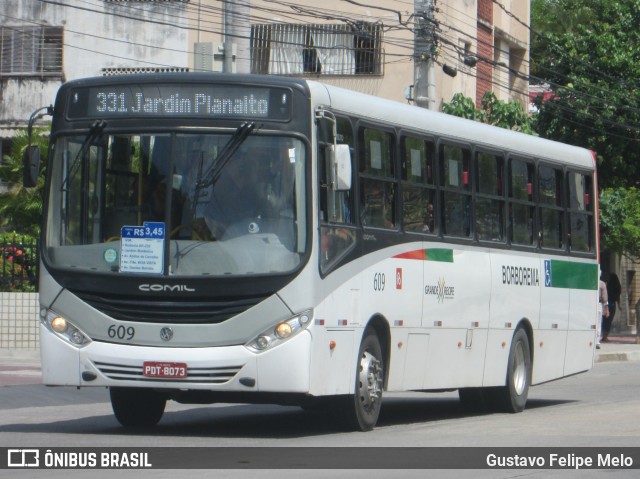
120, 372
162, 311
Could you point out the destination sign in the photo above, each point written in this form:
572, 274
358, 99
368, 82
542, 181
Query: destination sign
180, 100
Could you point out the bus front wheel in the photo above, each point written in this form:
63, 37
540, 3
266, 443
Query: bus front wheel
137, 407
363, 407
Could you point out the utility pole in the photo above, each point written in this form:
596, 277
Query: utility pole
424, 77
229, 20
237, 33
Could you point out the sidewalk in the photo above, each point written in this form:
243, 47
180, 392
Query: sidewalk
619, 348
19, 367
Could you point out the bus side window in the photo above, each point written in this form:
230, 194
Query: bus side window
489, 212
337, 234
418, 186
550, 194
455, 183
335, 206
378, 187
521, 203
581, 225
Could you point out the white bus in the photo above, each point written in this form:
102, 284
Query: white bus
211, 238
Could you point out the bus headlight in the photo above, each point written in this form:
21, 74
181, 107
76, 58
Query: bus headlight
64, 329
280, 332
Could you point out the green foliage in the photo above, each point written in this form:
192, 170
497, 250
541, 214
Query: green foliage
464, 107
18, 262
494, 112
589, 52
20, 207
620, 221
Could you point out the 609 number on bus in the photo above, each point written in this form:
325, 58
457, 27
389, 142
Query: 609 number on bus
121, 332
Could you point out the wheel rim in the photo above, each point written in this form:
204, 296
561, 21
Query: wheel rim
519, 369
370, 381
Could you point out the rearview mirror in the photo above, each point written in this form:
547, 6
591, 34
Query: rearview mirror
30, 166
341, 167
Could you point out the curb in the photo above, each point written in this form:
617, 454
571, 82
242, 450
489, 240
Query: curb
619, 356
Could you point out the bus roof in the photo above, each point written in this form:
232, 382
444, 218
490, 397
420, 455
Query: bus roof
451, 127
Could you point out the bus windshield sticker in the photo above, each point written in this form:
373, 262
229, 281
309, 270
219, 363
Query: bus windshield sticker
110, 255
142, 248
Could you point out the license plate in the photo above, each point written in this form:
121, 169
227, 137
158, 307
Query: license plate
152, 369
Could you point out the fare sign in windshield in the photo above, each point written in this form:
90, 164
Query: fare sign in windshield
142, 248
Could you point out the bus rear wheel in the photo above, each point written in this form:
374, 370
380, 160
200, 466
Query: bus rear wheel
363, 407
137, 407
512, 397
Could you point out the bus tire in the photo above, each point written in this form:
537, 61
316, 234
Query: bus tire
512, 397
137, 407
363, 407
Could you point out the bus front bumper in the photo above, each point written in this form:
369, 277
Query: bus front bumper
285, 368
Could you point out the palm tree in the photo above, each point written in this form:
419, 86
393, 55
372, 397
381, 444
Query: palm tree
20, 207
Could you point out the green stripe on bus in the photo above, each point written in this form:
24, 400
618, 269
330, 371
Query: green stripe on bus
568, 274
443, 255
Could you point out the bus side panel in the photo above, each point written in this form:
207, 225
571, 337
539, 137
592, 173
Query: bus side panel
332, 369
286, 368
582, 339
451, 363
392, 290
515, 297
548, 352
456, 313
551, 341
332, 374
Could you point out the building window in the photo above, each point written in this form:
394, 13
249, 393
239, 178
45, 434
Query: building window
106, 72
287, 49
31, 51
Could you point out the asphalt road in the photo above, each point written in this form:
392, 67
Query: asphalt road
599, 409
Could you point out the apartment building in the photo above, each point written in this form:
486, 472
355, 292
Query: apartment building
385, 48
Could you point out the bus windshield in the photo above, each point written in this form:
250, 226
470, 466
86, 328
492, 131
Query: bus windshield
224, 203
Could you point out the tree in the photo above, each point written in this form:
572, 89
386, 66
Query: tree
593, 67
20, 207
620, 221
494, 112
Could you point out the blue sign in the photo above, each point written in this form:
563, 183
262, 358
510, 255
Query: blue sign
142, 248
547, 272
149, 230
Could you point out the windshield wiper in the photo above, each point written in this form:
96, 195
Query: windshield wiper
95, 132
214, 171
